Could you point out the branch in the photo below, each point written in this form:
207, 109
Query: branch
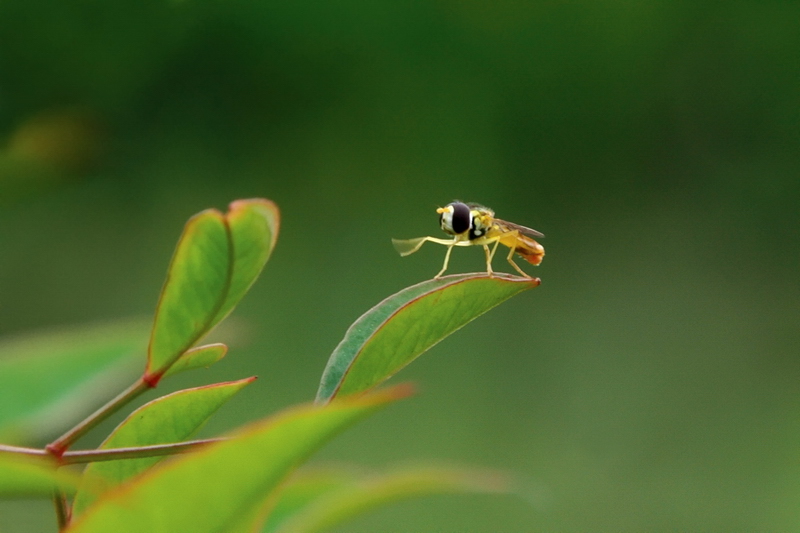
6, 448
59, 446
136, 452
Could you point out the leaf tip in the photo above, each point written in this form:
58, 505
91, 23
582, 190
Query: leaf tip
243, 203
197, 218
401, 391
222, 347
268, 208
235, 383
381, 396
495, 275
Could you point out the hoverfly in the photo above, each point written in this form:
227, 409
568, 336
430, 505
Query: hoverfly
476, 225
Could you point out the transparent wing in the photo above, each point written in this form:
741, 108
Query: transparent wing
522, 229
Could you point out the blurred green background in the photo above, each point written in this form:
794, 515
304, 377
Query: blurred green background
651, 382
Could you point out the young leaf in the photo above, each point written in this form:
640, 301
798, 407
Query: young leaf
396, 331
217, 259
25, 478
202, 356
196, 285
171, 418
253, 231
49, 380
329, 504
207, 491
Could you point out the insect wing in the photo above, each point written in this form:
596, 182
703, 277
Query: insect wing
521, 229
408, 246
481, 209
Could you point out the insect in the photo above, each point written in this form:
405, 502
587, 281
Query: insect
476, 225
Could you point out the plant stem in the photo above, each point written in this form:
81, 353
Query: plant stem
6, 448
62, 509
112, 454
60, 445
137, 452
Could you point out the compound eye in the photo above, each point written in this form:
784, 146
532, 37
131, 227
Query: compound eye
462, 217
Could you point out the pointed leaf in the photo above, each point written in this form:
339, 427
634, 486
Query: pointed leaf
171, 418
200, 357
24, 478
206, 491
217, 259
50, 380
400, 328
331, 504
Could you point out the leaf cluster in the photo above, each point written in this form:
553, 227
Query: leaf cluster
148, 474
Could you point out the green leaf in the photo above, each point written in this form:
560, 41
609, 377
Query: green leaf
302, 489
207, 491
295, 494
200, 357
28, 477
253, 231
49, 380
396, 331
217, 259
318, 502
171, 418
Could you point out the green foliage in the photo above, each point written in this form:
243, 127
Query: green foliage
171, 418
397, 330
237, 483
47, 380
217, 259
206, 491
200, 357
26, 477
320, 500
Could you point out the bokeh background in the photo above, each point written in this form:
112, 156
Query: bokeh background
651, 383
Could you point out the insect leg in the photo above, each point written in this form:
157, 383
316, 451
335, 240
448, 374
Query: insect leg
489, 258
408, 246
494, 249
446, 260
513, 264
